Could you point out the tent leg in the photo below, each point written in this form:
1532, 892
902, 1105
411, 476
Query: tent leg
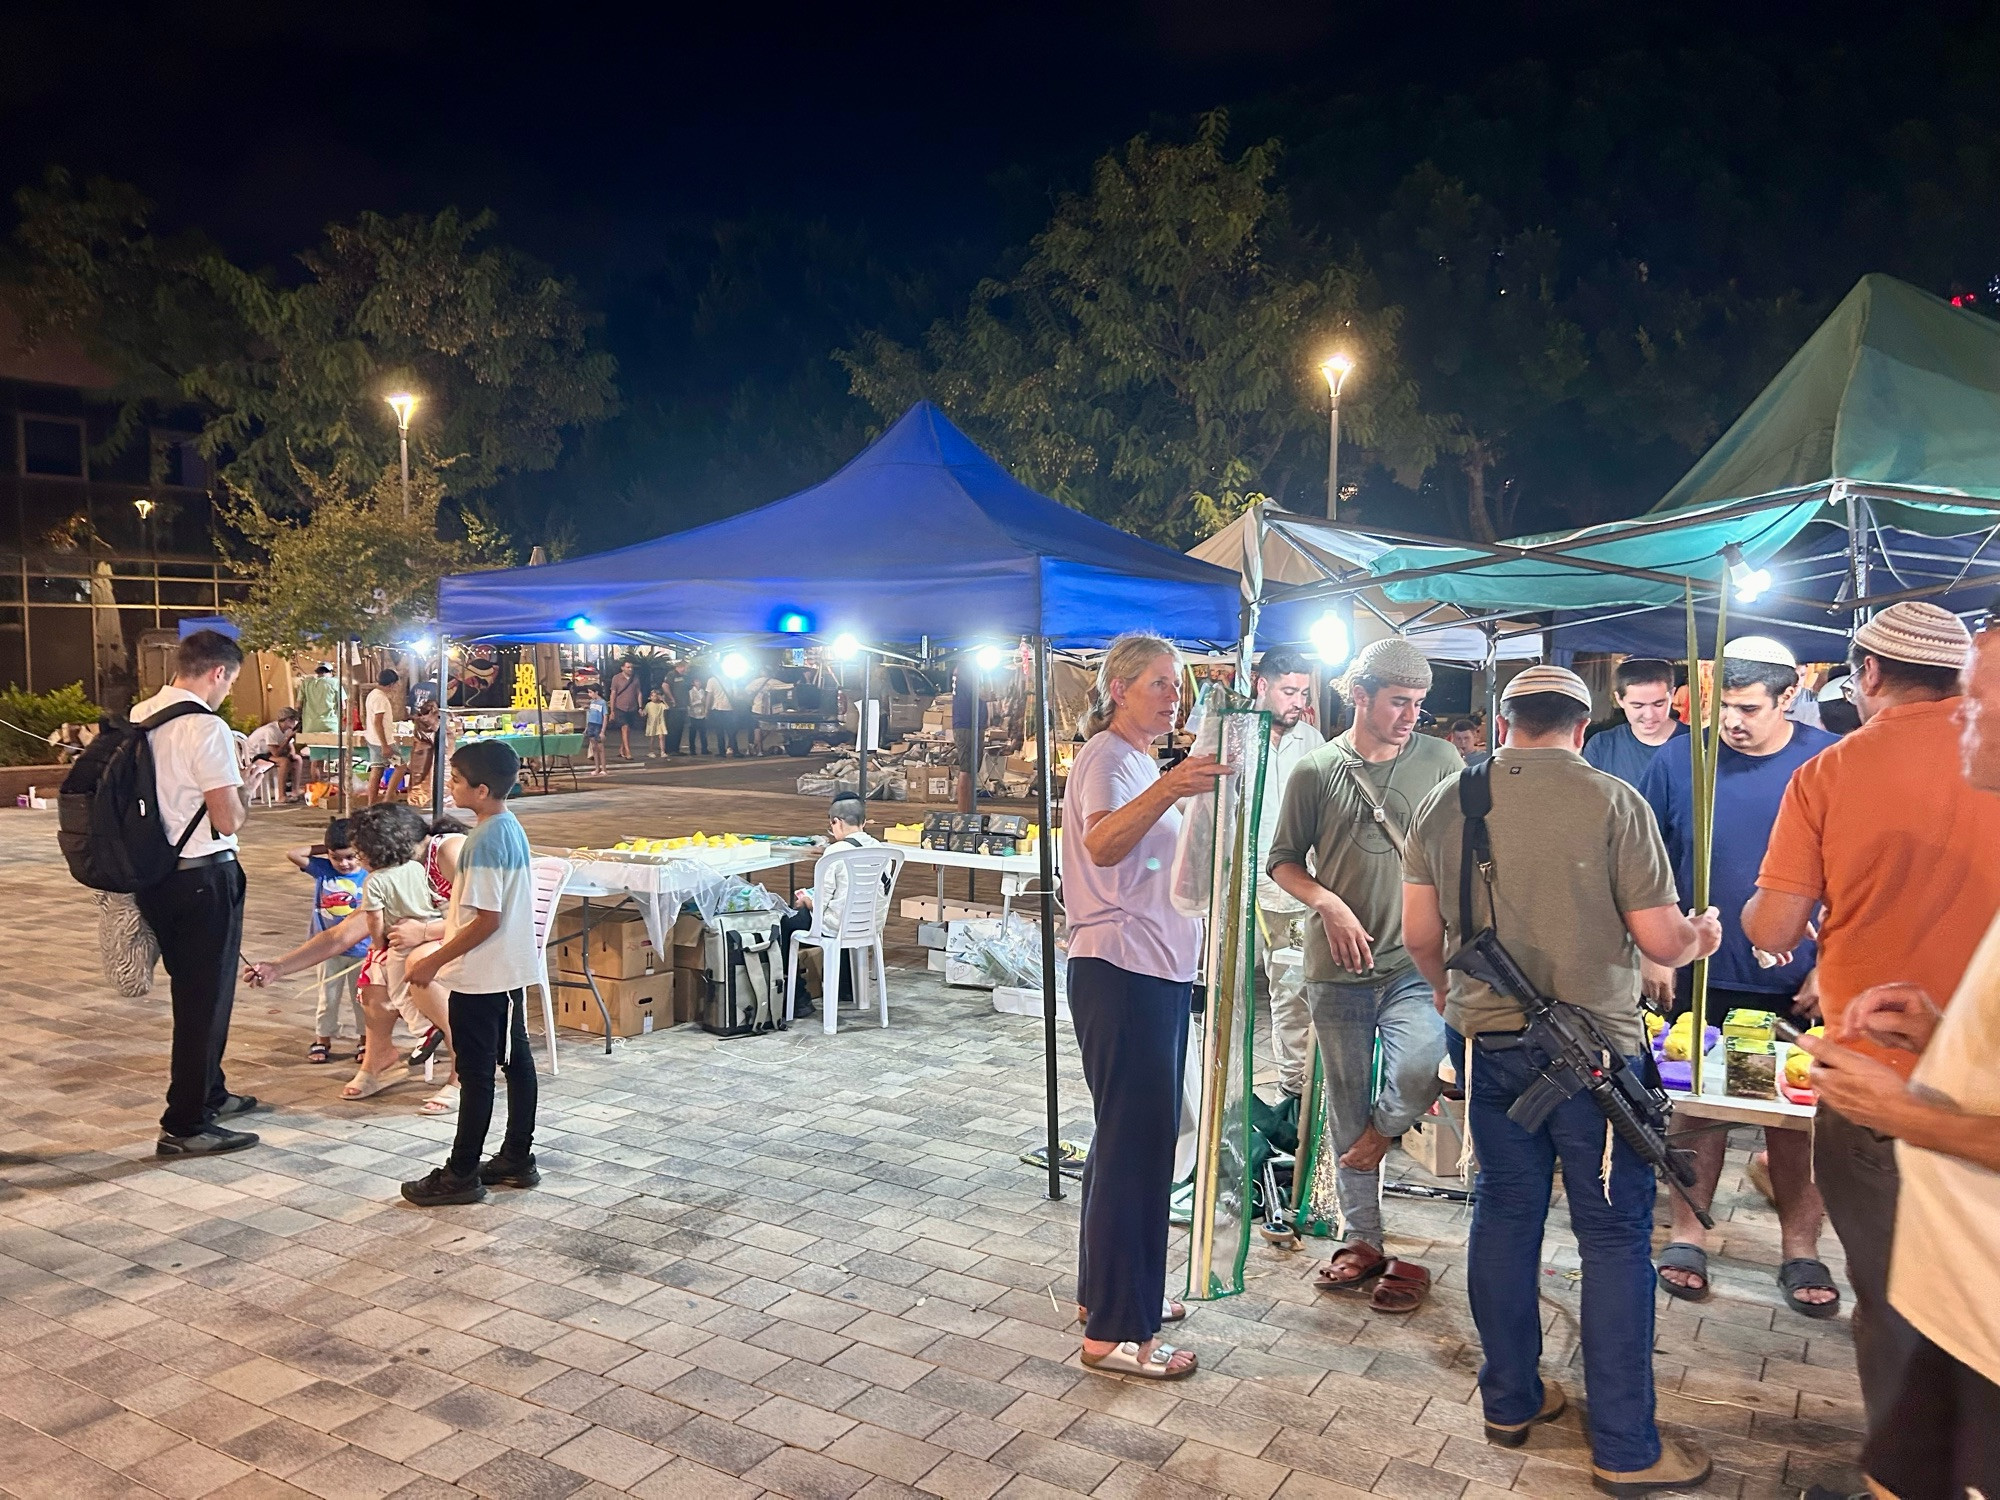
444, 722
1045, 756
1492, 687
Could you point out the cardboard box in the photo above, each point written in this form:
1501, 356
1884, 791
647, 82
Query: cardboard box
690, 995
1016, 1000
933, 935
1436, 1139
929, 909
637, 1006
620, 947
689, 941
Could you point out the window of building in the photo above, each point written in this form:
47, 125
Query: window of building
52, 446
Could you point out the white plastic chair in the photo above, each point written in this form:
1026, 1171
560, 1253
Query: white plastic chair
871, 882
551, 875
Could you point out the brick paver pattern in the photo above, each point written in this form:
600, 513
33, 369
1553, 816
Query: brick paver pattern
791, 1265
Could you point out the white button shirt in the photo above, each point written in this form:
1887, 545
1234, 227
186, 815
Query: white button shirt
1291, 747
194, 754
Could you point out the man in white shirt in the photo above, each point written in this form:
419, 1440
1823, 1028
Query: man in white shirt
1283, 684
275, 742
197, 912
1942, 1434
378, 730
844, 828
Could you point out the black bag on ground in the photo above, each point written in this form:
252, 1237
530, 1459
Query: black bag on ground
108, 822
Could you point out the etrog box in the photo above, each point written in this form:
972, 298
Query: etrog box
637, 1006
620, 947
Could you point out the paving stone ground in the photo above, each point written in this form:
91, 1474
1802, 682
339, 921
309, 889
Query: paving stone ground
794, 1265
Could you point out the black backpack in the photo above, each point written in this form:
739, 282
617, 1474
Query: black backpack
108, 816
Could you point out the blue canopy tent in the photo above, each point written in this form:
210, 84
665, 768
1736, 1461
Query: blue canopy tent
921, 534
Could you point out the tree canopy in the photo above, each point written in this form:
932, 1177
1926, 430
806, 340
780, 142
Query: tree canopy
1153, 359
290, 376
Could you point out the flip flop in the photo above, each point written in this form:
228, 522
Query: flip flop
443, 1102
1681, 1256
366, 1085
1806, 1275
1366, 1261
1127, 1360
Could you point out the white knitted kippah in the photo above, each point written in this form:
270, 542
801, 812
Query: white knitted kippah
1392, 659
1547, 679
1918, 633
1760, 648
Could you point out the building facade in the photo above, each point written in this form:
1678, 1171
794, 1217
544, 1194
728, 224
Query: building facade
99, 553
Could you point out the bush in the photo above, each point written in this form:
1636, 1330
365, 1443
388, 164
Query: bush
27, 719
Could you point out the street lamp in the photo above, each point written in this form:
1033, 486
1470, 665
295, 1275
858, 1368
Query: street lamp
403, 403
1335, 369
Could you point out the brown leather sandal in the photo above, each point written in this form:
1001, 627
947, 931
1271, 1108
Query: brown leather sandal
1351, 1269
1402, 1289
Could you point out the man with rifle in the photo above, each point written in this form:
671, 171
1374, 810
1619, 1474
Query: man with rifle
1566, 886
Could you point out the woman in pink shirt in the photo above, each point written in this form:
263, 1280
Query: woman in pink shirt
1132, 963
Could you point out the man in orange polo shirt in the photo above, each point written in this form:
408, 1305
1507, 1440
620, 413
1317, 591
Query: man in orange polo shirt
1883, 832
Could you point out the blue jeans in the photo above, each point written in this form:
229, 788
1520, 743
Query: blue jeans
1346, 1020
1504, 1258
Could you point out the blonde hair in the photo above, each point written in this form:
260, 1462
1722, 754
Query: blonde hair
1124, 660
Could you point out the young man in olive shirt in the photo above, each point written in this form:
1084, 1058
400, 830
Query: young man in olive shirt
1577, 888
1348, 807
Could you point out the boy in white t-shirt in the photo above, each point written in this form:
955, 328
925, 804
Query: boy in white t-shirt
487, 961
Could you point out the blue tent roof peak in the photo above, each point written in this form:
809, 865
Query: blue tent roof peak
921, 533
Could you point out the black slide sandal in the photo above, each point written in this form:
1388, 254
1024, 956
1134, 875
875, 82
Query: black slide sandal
1681, 1256
1804, 1275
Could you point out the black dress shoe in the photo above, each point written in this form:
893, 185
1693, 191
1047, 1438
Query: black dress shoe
213, 1141
507, 1171
438, 1187
236, 1104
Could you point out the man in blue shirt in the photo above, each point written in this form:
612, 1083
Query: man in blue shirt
1760, 749
1645, 693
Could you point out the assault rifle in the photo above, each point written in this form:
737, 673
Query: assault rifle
1580, 1057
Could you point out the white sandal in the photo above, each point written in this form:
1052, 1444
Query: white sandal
1127, 1360
366, 1085
443, 1102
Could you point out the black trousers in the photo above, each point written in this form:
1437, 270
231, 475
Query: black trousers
676, 726
480, 1025
1132, 1031
801, 920
198, 917
1942, 1440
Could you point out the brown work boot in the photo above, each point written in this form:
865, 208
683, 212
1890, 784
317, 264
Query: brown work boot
1680, 1467
1514, 1434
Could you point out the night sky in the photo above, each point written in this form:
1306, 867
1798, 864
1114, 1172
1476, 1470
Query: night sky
609, 140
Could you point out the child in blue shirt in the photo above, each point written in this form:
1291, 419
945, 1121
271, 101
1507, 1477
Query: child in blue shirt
337, 876
593, 730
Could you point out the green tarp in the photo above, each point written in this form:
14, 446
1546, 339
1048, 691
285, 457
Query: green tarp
1897, 390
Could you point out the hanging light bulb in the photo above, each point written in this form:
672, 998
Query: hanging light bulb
1749, 583
1331, 640
986, 658
844, 648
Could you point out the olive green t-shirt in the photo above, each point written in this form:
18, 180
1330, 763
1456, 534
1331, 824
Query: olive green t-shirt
1574, 849
1326, 815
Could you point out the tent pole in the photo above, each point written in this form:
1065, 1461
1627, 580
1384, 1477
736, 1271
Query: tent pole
1492, 687
346, 772
444, 722
1045, 755
1857, 550
861, 744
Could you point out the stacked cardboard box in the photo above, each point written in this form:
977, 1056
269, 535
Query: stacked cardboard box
689, 941
638, 986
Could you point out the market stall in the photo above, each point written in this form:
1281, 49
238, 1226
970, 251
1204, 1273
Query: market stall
921, 535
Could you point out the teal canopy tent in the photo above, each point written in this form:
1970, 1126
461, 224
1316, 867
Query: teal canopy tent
1885, 426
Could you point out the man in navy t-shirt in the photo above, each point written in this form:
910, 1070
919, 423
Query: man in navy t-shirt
1645, 692
1761, 747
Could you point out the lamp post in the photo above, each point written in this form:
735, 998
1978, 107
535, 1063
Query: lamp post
144, 505
1335, 369
403, 404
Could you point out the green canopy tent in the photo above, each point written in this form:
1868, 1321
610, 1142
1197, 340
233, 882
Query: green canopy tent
1885, 427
